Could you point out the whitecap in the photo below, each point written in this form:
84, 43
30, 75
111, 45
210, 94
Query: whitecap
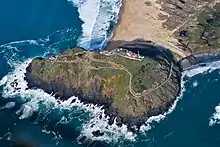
8, 105
97, 16
215, 118
191, 72
35, 97
202, 69
26, 110
158, 118
195, 84
3, 81
98, 120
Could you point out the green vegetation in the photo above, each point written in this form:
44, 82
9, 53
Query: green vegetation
202, 33
130, 85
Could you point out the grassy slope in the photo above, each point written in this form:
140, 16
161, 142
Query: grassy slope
92, 71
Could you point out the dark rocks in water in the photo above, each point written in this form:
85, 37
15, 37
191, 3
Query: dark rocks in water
73, 101
119, 121
22, 143
97, 133
14, 83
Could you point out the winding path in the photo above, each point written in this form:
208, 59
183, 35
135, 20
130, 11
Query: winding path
115, 66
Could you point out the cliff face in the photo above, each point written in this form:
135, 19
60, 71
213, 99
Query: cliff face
131, 89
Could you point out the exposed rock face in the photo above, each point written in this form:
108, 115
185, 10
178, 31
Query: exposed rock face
131, 89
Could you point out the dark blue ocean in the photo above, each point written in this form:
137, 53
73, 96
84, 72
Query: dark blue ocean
35, 119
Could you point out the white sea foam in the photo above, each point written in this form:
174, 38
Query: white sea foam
209, 67
215, 119
195, 83
27, 110
98, 121
97, 16
158, 118
36, 97
200, 69
8, 105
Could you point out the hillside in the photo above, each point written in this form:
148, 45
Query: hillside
130, 88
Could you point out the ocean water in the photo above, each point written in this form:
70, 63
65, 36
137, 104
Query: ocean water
32, 117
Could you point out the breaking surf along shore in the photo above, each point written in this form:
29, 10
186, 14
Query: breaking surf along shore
131, 86
133, 79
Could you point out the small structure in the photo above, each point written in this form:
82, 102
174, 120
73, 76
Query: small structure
52, 58
128, 54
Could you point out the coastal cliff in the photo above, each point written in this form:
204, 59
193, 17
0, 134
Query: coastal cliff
130, 87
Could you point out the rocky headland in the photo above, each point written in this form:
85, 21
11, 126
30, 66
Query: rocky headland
171, 35
131, 89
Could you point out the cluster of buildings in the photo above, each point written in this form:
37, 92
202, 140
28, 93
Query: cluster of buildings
123, 52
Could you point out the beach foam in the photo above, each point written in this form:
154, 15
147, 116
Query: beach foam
195, 84
34, 98
97, 16
215, 118
158, 118
196, 70
204, 69
98, 120
21, 50
8, 105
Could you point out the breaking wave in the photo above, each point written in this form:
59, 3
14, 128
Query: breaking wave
37, 101
215, 118
14, 85
35, 98
98, 17
205, 69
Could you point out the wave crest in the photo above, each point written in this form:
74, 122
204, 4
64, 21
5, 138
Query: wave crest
97, 15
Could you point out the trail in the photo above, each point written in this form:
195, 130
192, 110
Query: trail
114, 66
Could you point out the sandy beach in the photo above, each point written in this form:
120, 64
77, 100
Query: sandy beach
144, 20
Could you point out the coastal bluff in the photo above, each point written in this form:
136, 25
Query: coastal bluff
131, 86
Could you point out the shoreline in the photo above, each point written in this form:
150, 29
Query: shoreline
185, 62
124, 33
133, 123
191, 59
197, 59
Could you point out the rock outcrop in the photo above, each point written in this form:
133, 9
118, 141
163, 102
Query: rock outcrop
130, 88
